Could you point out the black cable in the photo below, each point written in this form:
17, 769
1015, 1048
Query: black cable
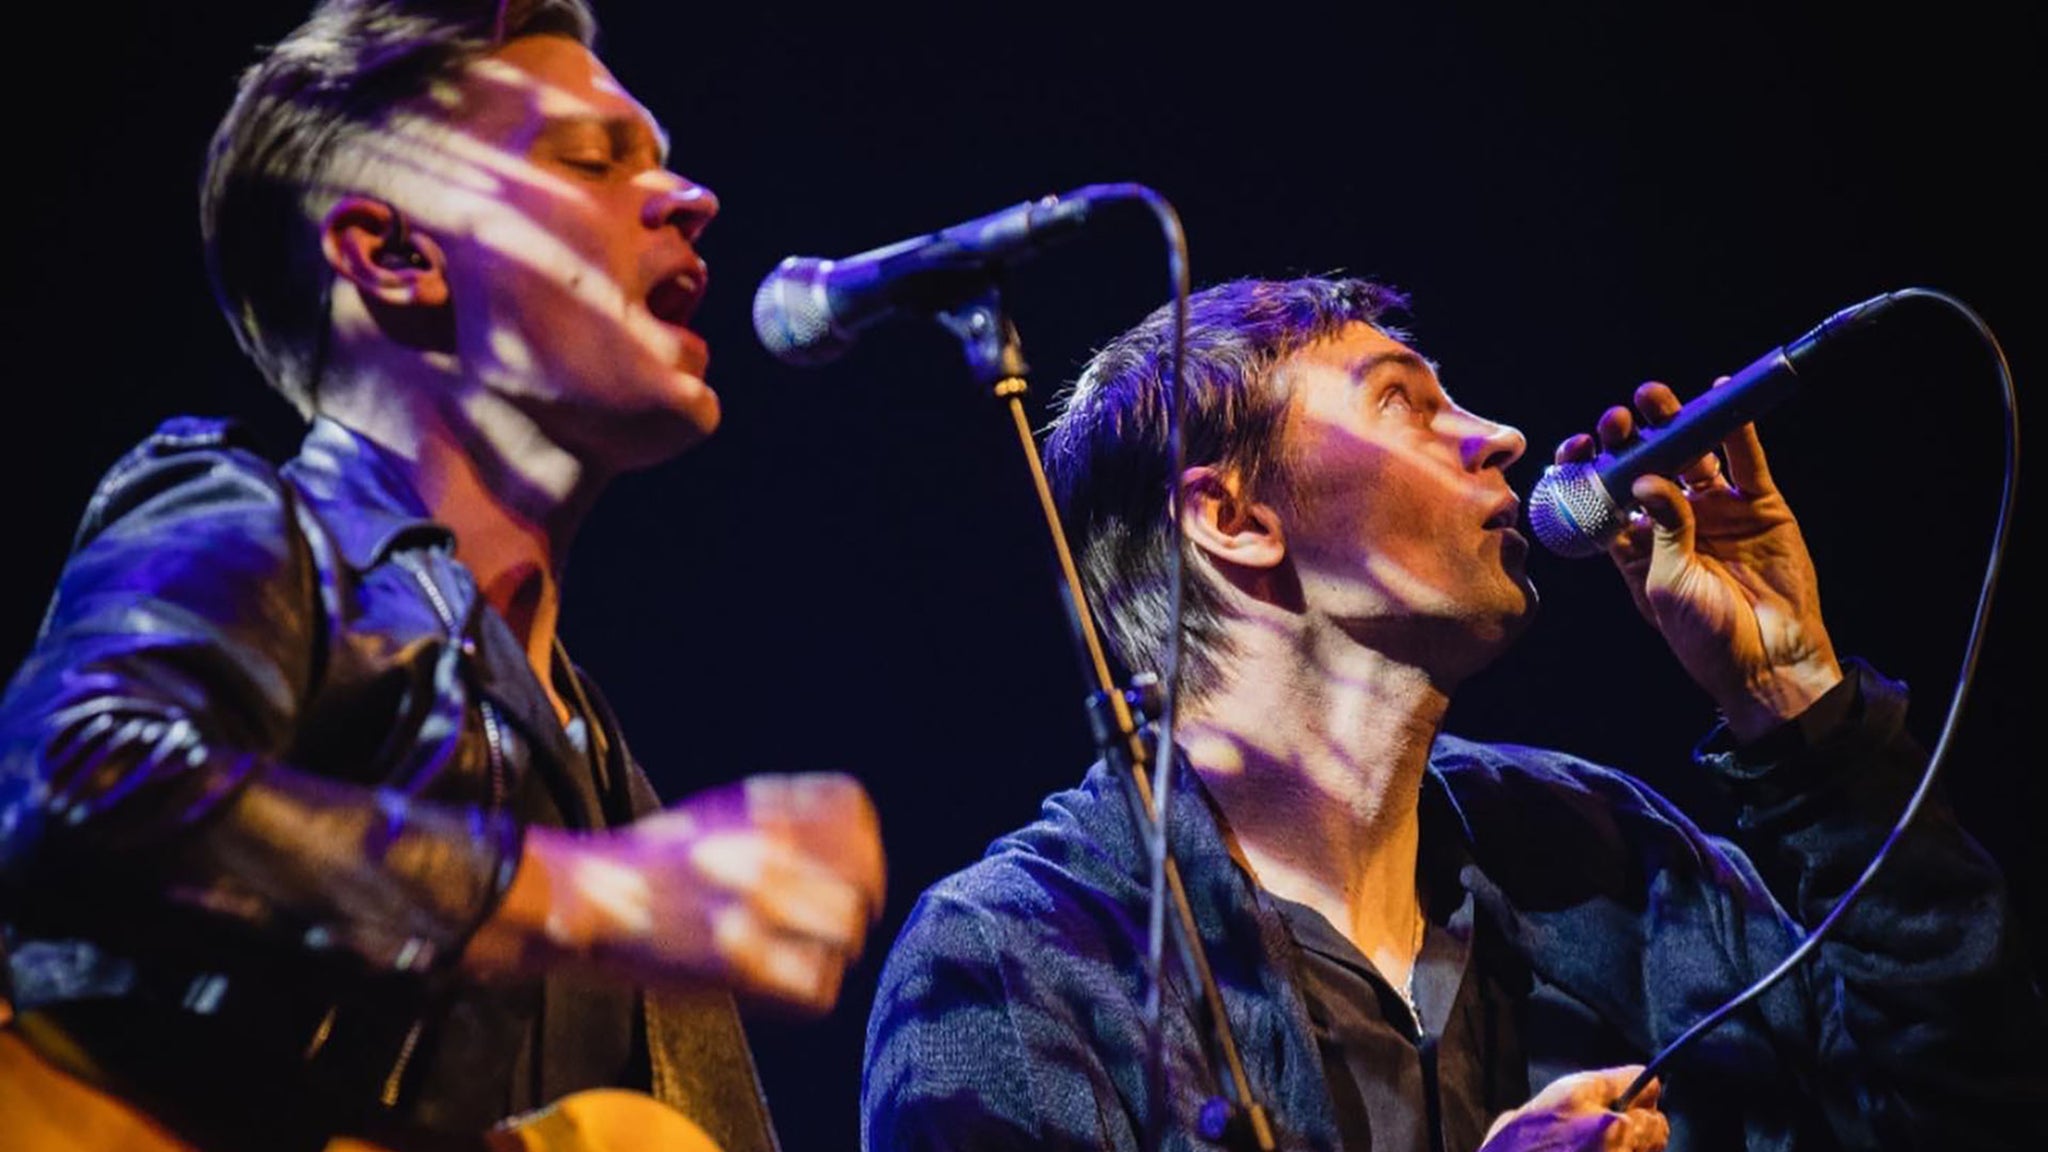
1934, 761
1169, 688
1158, 844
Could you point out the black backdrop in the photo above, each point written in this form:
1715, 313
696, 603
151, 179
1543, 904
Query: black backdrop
851, 575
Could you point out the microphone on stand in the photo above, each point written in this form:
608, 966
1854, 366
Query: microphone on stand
810, 311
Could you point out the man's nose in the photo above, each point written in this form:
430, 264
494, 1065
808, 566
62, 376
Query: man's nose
1493, 445
682, 203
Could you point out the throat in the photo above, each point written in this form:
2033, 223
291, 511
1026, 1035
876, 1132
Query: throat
527, 597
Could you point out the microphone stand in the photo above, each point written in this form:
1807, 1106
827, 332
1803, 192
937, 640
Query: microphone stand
995, 358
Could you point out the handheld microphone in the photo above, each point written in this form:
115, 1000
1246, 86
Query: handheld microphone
809, 311
1576, 508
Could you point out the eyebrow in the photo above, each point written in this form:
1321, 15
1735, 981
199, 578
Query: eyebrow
1373, 361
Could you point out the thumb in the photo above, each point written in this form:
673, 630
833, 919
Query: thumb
1672, 525
1647, 1098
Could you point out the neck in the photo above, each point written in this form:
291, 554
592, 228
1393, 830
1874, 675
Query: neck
1315, 748
513, 497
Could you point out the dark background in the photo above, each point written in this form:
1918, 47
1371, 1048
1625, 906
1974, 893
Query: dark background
851, 575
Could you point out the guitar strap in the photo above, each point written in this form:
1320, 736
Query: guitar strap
702, 1065
697, 1050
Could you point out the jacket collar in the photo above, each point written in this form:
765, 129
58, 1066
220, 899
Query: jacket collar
1218, 888
371, 507
1089, 832
359, 491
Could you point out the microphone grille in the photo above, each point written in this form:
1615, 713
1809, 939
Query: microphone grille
1571, 512
793, 317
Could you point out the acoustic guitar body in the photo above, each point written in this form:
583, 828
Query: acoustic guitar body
44, 1108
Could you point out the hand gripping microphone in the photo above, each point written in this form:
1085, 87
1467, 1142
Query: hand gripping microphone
809, 311
1576, 508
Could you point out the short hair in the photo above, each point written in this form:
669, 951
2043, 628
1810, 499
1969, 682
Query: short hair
334, 79
1108, 454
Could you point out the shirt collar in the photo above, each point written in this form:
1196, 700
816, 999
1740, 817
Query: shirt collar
361, 491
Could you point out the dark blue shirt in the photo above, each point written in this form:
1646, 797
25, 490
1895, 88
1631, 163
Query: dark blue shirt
1010, 1010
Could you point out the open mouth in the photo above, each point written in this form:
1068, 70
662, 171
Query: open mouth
1505, 515
675, 300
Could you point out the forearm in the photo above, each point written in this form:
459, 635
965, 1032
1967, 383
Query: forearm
152, 744
197, 833
544, 921
1931, 1016
118, 786
1784, 696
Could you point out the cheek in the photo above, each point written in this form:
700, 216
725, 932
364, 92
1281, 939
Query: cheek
567, 244
566, 308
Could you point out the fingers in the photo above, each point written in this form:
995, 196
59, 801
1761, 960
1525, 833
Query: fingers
803, 870
1599, 1088
1659, 406
1584, 1093
1656, 405
1575, 448
825, 816
752, 911
1665, 505
1609, 1084
748, 911
1579, 1112
830, 816
1638, 1127
1647, 1098
768, 886
1637, 1130
1747, 469
1616, 427
787, 891
1703, 474
798, 971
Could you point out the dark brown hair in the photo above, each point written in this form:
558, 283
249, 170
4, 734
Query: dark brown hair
1108, 453
334, 78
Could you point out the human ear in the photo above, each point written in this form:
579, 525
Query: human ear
369, 244
1223, 522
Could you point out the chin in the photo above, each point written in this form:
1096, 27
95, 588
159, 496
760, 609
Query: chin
1496, 628
629, 440
684, 392
685, 410
1522, 610
659, 437
706, 410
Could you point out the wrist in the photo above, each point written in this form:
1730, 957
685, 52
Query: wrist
542, 921
1782, 696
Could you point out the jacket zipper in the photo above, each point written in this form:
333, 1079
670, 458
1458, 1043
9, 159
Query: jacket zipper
494, 741
397, 1077
493, 733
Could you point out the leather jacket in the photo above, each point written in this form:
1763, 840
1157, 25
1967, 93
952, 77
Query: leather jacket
266, 769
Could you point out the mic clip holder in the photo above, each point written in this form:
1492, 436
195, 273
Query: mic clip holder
1117, 721
994, 351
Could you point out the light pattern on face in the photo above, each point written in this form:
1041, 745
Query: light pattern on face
1397, 573
570, 247
1400, 511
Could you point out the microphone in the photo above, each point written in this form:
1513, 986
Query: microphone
1576, 508
808, 311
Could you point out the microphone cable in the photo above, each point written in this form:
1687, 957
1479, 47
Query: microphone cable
1158, 842
1166, 755
1965, 678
